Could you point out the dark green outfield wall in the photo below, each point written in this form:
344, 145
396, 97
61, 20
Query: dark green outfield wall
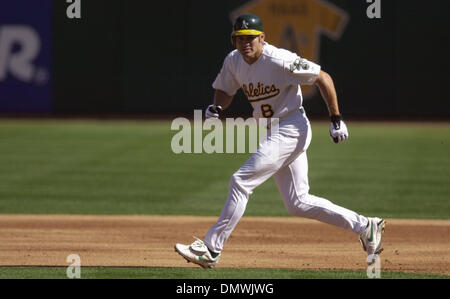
161, 57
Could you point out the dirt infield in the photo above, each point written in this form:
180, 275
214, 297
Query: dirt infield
258, 242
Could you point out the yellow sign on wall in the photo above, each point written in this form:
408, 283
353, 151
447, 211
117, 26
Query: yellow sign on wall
296, 25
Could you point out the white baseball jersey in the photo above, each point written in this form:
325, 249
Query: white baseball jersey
271, 84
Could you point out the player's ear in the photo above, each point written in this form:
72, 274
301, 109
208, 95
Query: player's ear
262, 37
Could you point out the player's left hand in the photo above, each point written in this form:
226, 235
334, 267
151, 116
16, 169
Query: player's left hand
213, 111
338, 129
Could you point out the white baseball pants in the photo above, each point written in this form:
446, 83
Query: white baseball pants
282, 154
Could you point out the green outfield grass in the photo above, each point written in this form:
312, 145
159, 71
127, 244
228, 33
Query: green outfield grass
128, 167
197, 273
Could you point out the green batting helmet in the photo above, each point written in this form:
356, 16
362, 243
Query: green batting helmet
247, 24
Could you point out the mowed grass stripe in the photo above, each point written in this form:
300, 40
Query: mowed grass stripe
127, 167
197, 273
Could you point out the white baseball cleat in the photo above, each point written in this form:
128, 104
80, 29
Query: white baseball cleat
371, 238
197, 253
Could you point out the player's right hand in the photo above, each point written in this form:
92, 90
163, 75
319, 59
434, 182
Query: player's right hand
338, 129
213, 111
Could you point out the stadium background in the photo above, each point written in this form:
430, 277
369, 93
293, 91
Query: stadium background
142, 58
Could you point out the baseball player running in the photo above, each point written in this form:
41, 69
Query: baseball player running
270, 78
